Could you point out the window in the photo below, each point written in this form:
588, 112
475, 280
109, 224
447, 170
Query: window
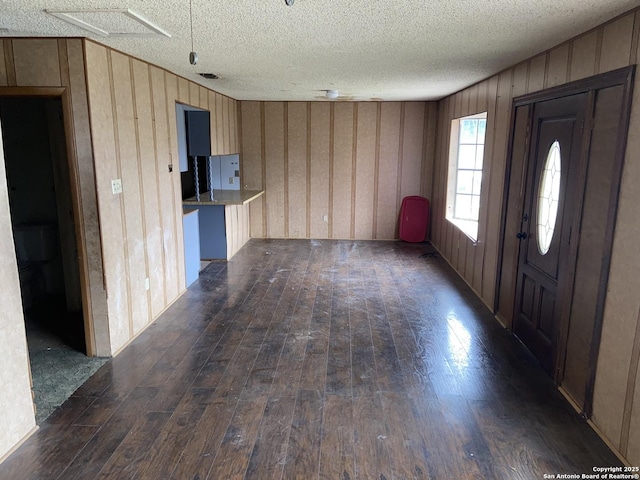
466, 156
548, 198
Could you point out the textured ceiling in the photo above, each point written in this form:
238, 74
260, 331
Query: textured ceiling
365, 49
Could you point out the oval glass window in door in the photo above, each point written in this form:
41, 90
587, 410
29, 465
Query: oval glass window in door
548, 198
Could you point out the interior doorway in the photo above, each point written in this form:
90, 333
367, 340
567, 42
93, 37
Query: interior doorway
44, 231
562, 183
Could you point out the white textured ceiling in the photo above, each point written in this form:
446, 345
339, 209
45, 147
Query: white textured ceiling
365, 49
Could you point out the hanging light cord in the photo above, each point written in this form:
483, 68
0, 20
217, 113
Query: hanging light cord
191, 22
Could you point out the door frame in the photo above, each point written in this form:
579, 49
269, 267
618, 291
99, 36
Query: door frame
623, 76
64, 94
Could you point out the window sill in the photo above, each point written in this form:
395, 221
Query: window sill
468, 227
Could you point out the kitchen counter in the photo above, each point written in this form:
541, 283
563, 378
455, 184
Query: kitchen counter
223, 222
225, 197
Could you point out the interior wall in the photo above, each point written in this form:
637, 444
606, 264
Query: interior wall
334, 169
17, 416
28, 66
133, 126
616, 409
32, 64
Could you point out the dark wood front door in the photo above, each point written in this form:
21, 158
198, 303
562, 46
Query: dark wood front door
551, 200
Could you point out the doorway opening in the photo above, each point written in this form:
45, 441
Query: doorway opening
44, 231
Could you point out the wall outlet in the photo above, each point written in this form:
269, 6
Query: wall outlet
325, 218
147, 284
116, 186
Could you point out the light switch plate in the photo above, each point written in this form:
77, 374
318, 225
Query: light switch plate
116, 186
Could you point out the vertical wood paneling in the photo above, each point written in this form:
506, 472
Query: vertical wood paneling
148, 170
479, 265
211, 101
36, 62
633, 449
121, 115
413, 148
167, 210
557, 68
3, 65
520, 77
63, 62
428, 152
319, 143
616, 44
297, 168
226, 131
88, 221
622, 305
220, 124
387, 208
438, 208
10, 67
583, 56
342, 170
105, 154
204, 98
183, 90
252, 161
331, 151
174, 190
233, 126
603, 49
447, 227
237, 228
274, 161
537, 69
132, 201
365, 165
194, 94
494, 205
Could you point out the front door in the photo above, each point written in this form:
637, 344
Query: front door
551, 200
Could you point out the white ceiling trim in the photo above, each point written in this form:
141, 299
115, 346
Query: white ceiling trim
70, 16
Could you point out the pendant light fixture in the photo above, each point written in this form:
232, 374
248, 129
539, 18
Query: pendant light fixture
193, 56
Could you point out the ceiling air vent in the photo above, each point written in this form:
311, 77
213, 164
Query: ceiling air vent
209, 76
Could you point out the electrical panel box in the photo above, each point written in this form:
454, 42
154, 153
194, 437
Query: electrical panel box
224, 172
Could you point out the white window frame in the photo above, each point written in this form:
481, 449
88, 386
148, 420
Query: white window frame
467, 225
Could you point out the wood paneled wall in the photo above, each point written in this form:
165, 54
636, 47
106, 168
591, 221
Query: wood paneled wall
16, 408
351, 163
236, 220
133, 120
121, 115
33, 67
616, 409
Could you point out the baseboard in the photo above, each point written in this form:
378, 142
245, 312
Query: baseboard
19, 444
568, 398
137, 334
609, 444
476, 293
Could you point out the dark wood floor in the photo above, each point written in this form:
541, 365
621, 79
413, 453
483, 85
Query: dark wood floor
317, 359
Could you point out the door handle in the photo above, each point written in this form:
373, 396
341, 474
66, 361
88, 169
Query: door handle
521, 235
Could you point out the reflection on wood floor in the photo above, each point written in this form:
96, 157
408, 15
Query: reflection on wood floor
317, 359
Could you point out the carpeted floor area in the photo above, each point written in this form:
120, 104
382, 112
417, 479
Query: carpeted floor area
57, 369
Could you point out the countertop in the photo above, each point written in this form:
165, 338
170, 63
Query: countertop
225, 197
